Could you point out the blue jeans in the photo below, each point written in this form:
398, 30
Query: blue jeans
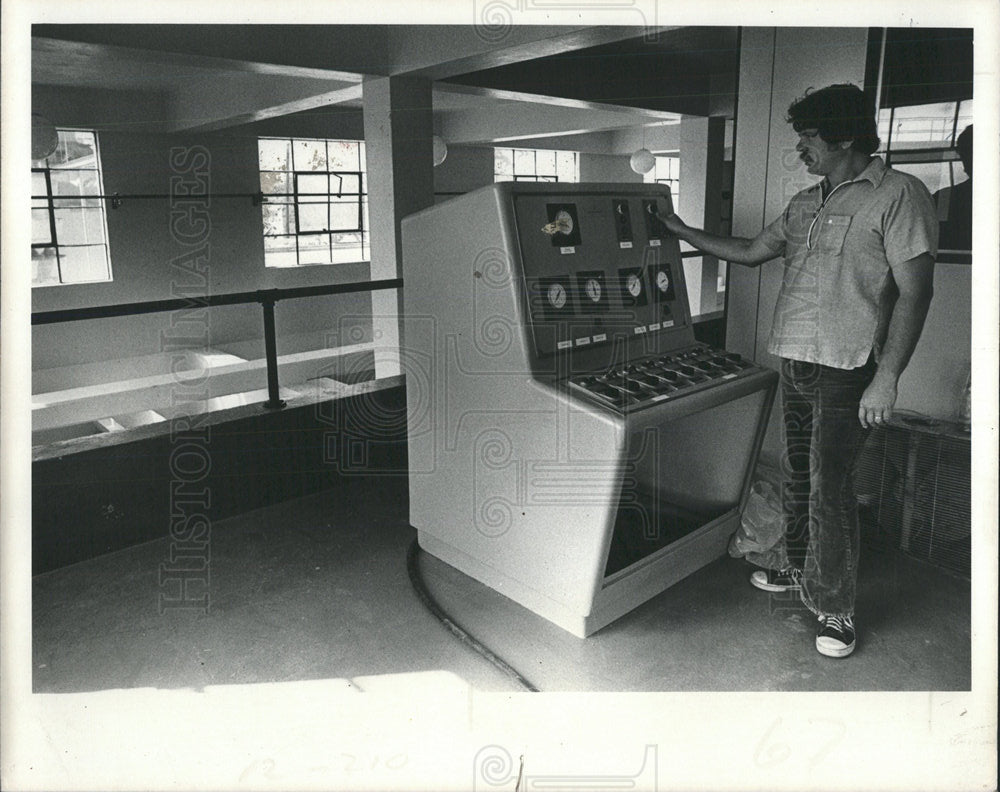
823, 440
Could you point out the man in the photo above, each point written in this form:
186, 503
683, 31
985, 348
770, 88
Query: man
859, 251
954, 204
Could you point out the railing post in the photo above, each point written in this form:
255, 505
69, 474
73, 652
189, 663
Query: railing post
271, 353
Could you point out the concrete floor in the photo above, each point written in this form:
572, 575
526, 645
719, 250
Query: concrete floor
317, 588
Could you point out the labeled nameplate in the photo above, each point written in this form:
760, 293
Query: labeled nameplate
565, 250
654, 243
625, 245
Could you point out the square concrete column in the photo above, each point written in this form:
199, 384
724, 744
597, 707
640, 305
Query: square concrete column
400, 168
702, 157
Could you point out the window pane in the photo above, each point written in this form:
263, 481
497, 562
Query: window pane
922, 125
934, 175
545, 163
280, 244
39, 187
41, 231
314, 249
349, 184
346, 248
883, 128
76, 149
964, 116
312, 217
309, 155
277, 219
274, 183
343, 155
76, 183
79, 226
524, 162
274, 155
312, 185
566, 166
83, 264
44, 269
503, 162
343, 215
282, 257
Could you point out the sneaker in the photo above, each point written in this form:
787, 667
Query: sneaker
777, 580
836, 636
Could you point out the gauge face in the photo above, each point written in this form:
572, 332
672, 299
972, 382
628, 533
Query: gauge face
593, 288
634, 285
662, 281
557, 295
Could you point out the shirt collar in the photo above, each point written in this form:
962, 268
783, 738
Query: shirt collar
873, 172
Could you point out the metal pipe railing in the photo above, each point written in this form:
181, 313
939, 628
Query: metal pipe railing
265, 297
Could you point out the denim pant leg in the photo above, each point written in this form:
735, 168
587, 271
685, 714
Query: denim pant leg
797, 380
821, 510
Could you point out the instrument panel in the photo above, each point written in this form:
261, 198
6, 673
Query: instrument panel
597, 269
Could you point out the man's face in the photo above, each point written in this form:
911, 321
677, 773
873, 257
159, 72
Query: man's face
819, 156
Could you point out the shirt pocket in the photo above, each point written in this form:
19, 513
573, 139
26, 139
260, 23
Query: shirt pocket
833, 231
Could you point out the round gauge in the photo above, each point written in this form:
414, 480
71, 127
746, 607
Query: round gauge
557, 295
593, 287
662, 281
634, 285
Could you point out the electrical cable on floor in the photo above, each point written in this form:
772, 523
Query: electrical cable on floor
413, 567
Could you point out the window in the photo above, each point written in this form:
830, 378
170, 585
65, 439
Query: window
315, 206
69, 235
920, 139
535, 165
667, 171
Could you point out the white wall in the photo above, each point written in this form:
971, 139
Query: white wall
608, 168
464, 169
934, 382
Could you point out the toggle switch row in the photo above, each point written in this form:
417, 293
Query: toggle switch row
655, 379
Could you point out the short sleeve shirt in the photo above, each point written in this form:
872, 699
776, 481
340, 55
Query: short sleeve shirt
837, 292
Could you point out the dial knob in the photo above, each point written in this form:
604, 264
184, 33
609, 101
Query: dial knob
557, 295
634, 285
593, 289
662, 281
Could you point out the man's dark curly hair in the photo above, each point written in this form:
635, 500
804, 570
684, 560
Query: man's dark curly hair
839, 113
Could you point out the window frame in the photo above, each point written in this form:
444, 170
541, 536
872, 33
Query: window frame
534, 176
49, 203
672, 183
927, 153
294, 199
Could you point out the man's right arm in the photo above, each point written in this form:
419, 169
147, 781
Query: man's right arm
738, 250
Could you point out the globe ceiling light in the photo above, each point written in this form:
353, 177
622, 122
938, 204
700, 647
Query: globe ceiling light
440, 150
642, 161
